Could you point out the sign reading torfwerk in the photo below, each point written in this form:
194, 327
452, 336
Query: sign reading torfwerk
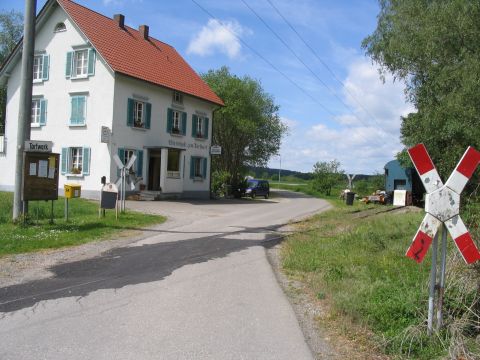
38, 146
442, 203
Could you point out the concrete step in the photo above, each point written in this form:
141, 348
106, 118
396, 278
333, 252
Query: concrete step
148, 195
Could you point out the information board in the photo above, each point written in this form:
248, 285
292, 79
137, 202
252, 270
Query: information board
109, 196
40, 176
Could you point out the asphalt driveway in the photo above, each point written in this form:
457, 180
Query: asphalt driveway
196, 287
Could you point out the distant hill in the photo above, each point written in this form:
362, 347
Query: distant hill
269, 173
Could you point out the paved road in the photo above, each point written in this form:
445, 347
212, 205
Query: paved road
200, 287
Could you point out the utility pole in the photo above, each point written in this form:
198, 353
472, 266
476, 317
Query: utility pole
280, 170
25, 105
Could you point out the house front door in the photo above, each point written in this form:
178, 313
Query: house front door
154, 170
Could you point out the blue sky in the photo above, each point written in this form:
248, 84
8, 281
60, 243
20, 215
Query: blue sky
337, 106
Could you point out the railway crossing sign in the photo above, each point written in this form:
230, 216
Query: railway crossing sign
442, 207
442, 203
122, 180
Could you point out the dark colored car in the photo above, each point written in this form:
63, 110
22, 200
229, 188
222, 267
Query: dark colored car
257, 188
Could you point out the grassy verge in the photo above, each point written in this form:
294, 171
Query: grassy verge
357, 266
83, 226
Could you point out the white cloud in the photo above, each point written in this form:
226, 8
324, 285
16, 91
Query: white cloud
290, 123
364, 139
218, 36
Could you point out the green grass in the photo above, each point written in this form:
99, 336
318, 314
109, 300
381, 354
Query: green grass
83, 226
358, 264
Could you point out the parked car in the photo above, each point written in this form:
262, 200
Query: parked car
257, 188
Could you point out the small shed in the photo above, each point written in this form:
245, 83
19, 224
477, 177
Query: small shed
397, 177
400, 178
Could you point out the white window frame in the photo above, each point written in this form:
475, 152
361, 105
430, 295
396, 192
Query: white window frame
38, 68
59, 27
199, 126
36, 114
176, 122
177, 97
127, 155
197, 168
139, 114
83, 67
175, 174
75, 155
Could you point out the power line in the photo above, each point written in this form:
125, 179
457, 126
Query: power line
279, 71
322, 62
264, 59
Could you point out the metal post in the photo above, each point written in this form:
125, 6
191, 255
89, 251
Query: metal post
124, 188
66, 209
51, 214
280, 170
433, 280
441, 288
25, 103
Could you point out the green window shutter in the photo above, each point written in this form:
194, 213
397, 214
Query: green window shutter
74, 111
169, 120
204, 172
64, 162
184, 123
192, 167
86, 161
194, 125
68, 68
46, 65
130, 110
205, 128
139, 163
121, 155
81, 109
91, 62
148, 115
43, 112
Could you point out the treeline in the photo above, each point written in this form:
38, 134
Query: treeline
272, 174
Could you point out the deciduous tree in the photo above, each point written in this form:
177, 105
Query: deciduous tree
248, 127
11, 28
326, 175
434, 47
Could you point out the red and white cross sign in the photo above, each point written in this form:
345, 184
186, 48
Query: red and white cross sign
442, 204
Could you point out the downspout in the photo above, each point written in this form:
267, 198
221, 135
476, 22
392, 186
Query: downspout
210, 154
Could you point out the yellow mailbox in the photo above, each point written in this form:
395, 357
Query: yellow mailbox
72, 190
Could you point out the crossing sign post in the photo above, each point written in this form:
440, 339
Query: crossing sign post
442, 207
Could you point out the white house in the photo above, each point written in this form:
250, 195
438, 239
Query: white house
91, 71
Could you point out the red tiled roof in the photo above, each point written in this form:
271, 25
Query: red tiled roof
127, 52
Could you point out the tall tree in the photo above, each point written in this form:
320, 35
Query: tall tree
327, 174
248, 127
11, 28
434, 47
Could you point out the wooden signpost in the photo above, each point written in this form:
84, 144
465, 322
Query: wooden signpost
40, 173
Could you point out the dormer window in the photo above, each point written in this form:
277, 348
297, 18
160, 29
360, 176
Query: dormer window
60, 27
177, 97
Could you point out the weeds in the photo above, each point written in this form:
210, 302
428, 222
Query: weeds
358, 263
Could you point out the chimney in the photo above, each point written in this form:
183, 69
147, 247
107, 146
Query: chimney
143, 29
120, 20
